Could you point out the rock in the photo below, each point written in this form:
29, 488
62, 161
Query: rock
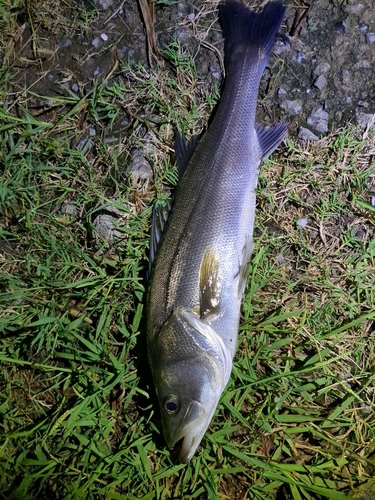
355, 9
320, 69
107, 225
69, 208
84, 145
281, 91
75, 87
340, 27
103, 4
65, 42
346, 77
365, 119
321, 82
281, 260
304, 134
370, 37
139, 166
302, 223
300, 57
96, 42
104, 37
293, 108
318, 120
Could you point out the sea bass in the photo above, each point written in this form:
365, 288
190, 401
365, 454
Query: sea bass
200, 261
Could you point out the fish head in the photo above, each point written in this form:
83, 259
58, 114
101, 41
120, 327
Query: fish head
191, 367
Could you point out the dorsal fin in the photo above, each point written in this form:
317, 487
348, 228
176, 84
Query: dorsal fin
184, 150
270, 138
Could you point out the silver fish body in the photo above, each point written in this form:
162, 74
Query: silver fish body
200, 268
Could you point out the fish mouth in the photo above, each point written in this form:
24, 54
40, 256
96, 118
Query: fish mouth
190, 432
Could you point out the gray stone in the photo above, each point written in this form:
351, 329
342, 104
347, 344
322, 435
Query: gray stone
345, 77
370, 37
85, 145
318, 120
355, 9
104, 37
281, 259
365, 119
321, 69
321, 82
139, 166
302, 223
104, 4
65, 42
281, 91
96, 42
293, 108
107, 226
69, 208
304, 134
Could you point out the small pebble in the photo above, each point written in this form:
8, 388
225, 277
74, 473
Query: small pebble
363, 29
97, 71
340, 27
65, 42
95, 42
191, 16
348, 100
92, 132
373, 201
318, 120
75, 87
281, 91
300, 57
104, 37
304, 134
292, 107
280, 259
370, 37
321, 82
320, 69
302, 223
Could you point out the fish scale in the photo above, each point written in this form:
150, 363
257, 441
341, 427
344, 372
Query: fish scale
200, 266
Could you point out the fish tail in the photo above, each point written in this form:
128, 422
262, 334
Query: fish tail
244, 29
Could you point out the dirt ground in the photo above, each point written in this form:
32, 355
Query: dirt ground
320, 77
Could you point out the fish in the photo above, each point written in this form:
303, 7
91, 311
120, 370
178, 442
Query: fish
202, 242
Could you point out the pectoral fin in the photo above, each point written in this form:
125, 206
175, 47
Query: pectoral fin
209, 283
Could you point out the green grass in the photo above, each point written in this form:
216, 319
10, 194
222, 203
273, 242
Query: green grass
78, 417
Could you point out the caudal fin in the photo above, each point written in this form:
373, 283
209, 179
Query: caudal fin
245, 28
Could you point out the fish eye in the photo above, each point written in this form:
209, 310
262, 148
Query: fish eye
171, 405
